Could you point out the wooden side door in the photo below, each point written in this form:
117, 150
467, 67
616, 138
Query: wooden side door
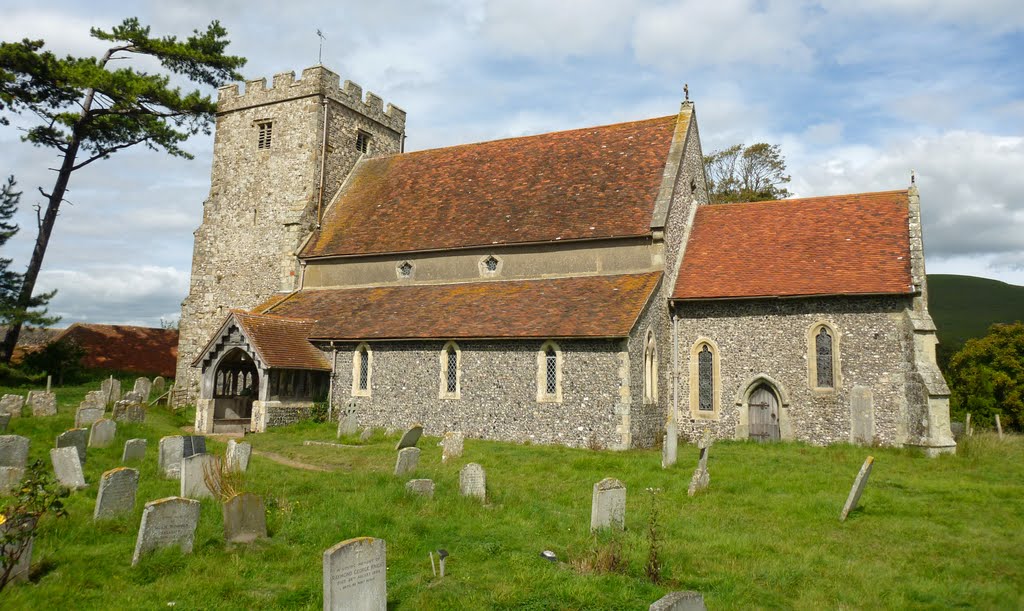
764, 414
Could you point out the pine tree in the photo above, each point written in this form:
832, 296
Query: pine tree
11, 282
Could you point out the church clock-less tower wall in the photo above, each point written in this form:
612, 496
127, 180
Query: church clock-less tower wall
266, 190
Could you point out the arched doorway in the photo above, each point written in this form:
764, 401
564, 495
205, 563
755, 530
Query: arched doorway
236, 385
763, 413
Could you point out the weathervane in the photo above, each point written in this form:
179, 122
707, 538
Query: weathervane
913, 177
320, 53
686, 91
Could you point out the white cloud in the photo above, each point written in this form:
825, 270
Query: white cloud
553, 30
115, 293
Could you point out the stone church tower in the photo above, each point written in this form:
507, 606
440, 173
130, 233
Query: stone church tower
280, 155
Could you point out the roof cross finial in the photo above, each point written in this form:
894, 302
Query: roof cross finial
320, 53
913, 177
686, 91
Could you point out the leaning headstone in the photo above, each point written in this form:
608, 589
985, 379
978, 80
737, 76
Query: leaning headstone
134, 449
411, 437
473, 481
5, 419
167, 522
421, 487
67, 467
24, 562
608, 506
701, 478
245, 518
13, 451
76, 438
95, 398
452, 446
12, 404
670, 445
129, 411
117, 493
194, 471
111, 390
347, 424
192, 445
858, 488
679, 601
355, 575
862, 416
159, 384
169, 459
42, 403
237, 455
999, 427
142, 388
87, 414
102, 433
365, 435
408, 459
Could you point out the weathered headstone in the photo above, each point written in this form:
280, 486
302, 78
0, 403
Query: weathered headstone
192, 445
968, 429
95, 398
245, 518
408, 459
858, 488
347, 424
355, 575
194, 472
451, 445
701, 478
957, 428
24, 562
129, 411
10, 479
473, 481
111, 390
5, 419
132, 397
999, 427
679, 601
42, 403
76, 438
169, 459
670, 445
117, 493
237, 455
862, 415
608, 506
102, 433
134, 449
365, 435
67, 467
142, 388
87, 414
411, 437
13, 451
421, 487
167, 522
12, 404
159, 384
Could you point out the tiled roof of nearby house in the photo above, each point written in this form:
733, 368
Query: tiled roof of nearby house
591, 306
836, 245
281, 342
597, 182
31, 339
144, 350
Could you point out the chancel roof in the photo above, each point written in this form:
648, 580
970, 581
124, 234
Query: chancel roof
835, 245
598, 182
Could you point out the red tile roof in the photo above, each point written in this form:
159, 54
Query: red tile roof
281, 342
143, 350
836, 245
597, 182
591, 306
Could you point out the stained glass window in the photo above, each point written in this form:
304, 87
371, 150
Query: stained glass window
364, 369
823, 350
491, 263
453, 370
551, 367
705, 380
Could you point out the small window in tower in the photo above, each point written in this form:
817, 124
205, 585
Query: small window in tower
362, 141
491, 263
266, 131
405, 270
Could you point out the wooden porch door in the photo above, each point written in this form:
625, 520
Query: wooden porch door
764, 414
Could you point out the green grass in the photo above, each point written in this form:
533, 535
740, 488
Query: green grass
965, 306
930, 533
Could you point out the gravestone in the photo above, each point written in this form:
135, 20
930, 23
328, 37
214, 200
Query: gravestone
421, 487
408, 458
13, 451
67, 467
473, 481
701, 478
365, 435
132, 397
245, 518
608, 506
169, 459
411, 437
134, 449
237, 455
452, 446
347, 424
192, 445
5, 419
21, 567
10, 479
42, 403
670, 445
679, 601
355, 575
76, 438
194, 470
129, 411
95, 398
957, 428
111, 390
159, 385
87, 414
12, 404
858, 488
117, 493
165, 523
968, 429
999, 427
102, 433
142, 388
862, 416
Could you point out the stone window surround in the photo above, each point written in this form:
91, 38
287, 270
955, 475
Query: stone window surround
264, 133
361, 349
543, 396
716, 375
443, 371
363, 139
650, 368
484, 272
812, 358
401, 274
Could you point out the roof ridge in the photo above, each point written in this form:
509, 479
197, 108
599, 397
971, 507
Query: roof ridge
808, 198
468, 282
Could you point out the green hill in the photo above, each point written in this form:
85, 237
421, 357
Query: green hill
965, 306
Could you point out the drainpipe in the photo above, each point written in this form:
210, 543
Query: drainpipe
330, 386
675, 366
323, 164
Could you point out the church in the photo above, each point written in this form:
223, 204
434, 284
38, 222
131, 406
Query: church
573, 288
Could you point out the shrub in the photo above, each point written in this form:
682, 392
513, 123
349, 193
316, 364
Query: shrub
37, 496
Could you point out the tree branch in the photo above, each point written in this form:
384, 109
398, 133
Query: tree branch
106, 151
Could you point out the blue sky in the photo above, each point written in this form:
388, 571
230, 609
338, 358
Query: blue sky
857, 95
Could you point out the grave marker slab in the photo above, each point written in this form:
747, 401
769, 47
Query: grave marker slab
102, 433
67, 467
237, 455
411, 437
421, 487
13, 451
42, 403
142, 388
408, 459
701, 478
134, 449
193, 475
5, 419
347, 424
86, 415
117, 493
159, 385
858, 488
862, 415
608, 505
245, 518
355, 575
365, 435
192, 445
165, 523
12, 404
75, 438
169, 459
129, 411
670, 445
452, 446
24, 563
473, 481
111, 390
95, 398
10, 479
132, 397
679, 601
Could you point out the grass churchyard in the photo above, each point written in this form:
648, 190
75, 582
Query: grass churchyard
765, 532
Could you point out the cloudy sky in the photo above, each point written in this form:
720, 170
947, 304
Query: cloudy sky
856, 95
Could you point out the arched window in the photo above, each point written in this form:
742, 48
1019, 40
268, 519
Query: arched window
362, 360
823, 372
823, 352
650, 369
451, 374
705, 380
549, 373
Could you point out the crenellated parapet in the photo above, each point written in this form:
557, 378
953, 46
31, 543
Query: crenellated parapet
315, 81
